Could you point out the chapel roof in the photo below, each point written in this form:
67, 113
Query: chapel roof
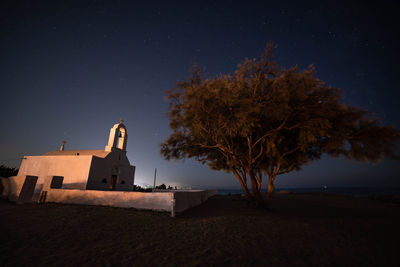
93, 152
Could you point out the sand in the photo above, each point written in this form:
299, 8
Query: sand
298, 230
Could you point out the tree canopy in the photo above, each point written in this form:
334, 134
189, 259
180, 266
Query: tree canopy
268, 120
6, 171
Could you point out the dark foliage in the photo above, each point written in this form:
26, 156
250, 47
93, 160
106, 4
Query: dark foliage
138, 188
162, 186
8, 171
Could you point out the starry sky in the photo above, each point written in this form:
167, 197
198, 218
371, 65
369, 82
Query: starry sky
71, 69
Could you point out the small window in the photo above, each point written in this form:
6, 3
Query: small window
104, 181
122, 182
57, 182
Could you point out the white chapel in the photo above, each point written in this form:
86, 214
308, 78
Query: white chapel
107, 169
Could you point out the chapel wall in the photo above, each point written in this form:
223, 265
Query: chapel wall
74, 169
99, 175
116, 163
14, 185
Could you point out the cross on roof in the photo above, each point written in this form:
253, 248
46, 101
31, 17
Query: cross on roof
121, 120
63, 144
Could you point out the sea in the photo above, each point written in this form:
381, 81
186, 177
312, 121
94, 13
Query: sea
348, 191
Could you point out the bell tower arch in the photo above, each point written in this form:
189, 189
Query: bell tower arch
118, 137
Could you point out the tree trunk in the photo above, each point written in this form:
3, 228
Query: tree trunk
246, 192
242, 184
256, 190
271, 188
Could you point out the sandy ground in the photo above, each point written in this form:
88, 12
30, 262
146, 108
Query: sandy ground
298, 230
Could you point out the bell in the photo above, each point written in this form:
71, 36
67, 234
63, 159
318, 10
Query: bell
120, 135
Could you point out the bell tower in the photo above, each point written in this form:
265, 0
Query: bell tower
118, 137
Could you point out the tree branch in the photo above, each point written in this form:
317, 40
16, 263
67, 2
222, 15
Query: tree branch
287, 170
260, 153
271, 131
289, 152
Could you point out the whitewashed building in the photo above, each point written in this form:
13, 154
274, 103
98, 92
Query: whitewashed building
107, 169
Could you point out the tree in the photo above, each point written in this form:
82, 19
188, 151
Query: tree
8, 171
268, 120
162, 186
138, 188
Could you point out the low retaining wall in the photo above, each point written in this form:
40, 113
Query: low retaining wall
165, 200
137, 200
187, 199
172, 201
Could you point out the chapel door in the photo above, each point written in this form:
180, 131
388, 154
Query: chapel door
26, 194
113, 182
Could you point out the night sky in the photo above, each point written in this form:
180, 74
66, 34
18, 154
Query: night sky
71, 69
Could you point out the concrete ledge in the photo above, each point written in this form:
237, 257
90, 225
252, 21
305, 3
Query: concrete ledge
137, 200
188, 199
171, 201
165, 200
